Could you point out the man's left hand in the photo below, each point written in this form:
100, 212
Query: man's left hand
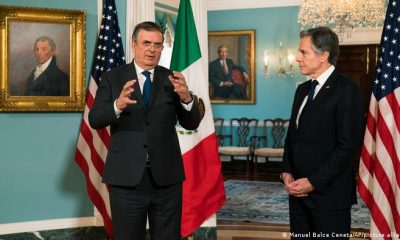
300, 188
180, 86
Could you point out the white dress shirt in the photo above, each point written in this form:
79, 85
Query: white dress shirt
40, 68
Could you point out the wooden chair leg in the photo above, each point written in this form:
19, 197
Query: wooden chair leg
247, 165
255, 166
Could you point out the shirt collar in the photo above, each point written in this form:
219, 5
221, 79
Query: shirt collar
46, 64
140, 70
325, 75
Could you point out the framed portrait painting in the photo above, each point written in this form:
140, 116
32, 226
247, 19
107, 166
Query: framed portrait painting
42, 59
231, 66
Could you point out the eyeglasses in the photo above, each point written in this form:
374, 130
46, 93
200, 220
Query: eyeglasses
158, 46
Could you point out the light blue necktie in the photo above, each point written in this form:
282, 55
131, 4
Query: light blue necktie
146, 88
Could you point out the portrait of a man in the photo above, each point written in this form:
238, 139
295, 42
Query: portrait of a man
46, 79
231, 66
221, 73
40, 64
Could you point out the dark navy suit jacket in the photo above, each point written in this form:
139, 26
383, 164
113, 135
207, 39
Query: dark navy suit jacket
138, 131
323, 148
52, 82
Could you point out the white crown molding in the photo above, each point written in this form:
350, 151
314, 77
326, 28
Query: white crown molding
172, 3
35, 226
361, 36
213, 5
165, 10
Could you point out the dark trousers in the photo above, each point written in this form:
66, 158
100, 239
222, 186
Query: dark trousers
130, 207
310, 223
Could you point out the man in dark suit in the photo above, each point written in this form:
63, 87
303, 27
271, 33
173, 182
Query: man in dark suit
46, 79
142, 103
324, 135
220, 74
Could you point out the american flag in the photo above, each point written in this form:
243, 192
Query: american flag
380, 156
92, 145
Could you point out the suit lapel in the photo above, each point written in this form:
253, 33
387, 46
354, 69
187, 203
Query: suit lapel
325, 89
219, 66
155, 88
156, 85
303, 91
130, 75
39, 80
318, 100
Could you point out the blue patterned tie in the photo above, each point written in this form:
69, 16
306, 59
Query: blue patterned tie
146, 88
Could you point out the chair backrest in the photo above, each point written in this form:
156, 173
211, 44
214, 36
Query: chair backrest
242, 130
275, 130
219, 130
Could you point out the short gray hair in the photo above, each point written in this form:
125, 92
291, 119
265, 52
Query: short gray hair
148, 26
221, 47
324, 39
51, 42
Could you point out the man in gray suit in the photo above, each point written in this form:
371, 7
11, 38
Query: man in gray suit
142, 102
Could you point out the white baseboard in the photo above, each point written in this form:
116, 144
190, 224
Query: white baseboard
45, 225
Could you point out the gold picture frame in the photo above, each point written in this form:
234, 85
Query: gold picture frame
235, 84
30, 81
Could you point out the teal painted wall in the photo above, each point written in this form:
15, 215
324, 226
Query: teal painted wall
273, 95
39, 178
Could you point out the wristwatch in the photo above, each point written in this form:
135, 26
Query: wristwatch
191, 94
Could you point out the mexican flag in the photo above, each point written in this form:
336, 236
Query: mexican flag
203, 189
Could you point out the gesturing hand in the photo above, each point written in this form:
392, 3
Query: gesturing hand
180, 86
124, 97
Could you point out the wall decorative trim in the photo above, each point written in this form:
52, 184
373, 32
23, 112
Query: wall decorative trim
9, 228
172, 3
213, 5
99, 14
45, 225
361, 36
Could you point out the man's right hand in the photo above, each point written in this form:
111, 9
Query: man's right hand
287, 179
226, 84
124, 99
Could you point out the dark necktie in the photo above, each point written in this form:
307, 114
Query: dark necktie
311, 92
146, 88
306, 107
